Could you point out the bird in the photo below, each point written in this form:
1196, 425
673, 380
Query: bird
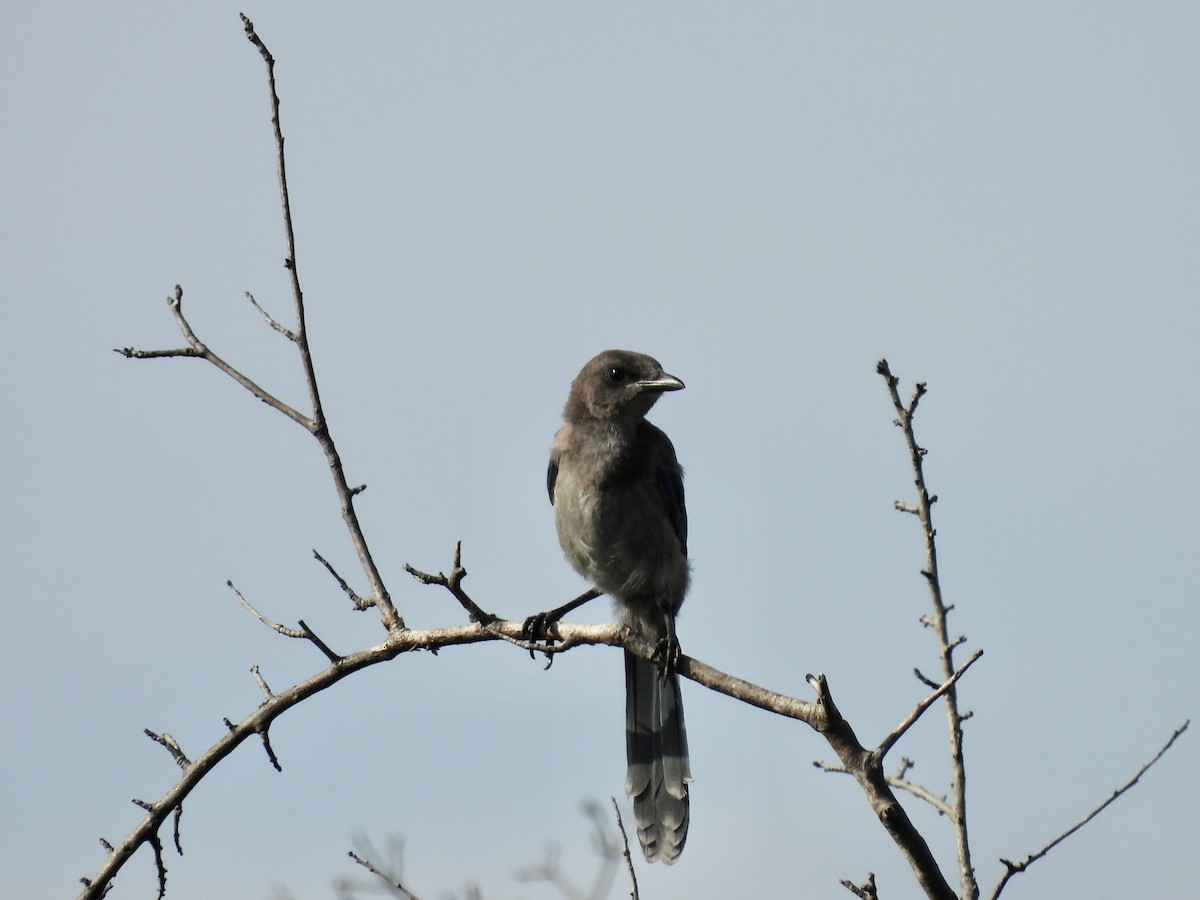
617, 490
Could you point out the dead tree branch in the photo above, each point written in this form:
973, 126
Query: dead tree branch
389, 879
396, 643
315, 423
633, 885
821, 714
1012, 868
937, 620
867, 768
866, 890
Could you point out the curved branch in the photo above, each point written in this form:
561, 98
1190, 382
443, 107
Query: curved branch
406, 641
821, 715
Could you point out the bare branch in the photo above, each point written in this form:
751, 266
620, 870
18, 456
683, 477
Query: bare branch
922, 793
896, 781
274, 626
318, 643
305, 632
286, 332
387, 879
178, 816
407, 641
319, 426
198, 349
925, 679
1011, 868
159, 865
172, 746
316, 424
633, 885
866, 767
359, 603
888, 742
131, 353
829, 767
453, 583
262, 684
937, 621
866, 890
265, 734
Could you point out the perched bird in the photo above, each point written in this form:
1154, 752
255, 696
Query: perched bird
617, 491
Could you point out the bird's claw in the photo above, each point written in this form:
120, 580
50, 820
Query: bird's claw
534, 629
666, 655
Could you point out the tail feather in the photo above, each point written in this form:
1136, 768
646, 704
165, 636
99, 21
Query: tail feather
658, 768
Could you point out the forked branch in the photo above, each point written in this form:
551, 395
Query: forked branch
315, 423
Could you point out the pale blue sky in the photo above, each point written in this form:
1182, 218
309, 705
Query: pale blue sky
1002, 199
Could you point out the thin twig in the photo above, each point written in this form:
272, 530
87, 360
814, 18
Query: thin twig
159, 865
387, 879
866, 891
305, 632
359, 602
633, 889
282, 329
453, 583
172, 746
198, 349
1011, 868
274, 626
265, 734
896, 781
888, 742
318, 643
922, 793
262, 683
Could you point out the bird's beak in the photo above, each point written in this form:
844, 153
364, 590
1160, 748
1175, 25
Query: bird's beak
663, 382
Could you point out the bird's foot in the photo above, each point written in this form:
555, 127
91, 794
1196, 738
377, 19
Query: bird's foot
666, 655
535, 627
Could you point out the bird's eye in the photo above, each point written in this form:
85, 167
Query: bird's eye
616, 375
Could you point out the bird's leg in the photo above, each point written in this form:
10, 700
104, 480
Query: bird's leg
666, 654
535, 626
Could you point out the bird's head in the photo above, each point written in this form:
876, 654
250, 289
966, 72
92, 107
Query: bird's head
618, 384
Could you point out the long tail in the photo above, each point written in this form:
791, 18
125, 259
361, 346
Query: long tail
657, 752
